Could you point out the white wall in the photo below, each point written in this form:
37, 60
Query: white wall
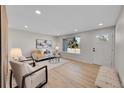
25, 40
119, 46
87, 43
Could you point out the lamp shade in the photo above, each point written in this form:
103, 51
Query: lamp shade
15, 52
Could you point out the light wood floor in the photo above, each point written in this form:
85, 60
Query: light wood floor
73, 75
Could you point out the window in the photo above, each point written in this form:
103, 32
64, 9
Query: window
71, 45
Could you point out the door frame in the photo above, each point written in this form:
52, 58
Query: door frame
0, 49
3, 46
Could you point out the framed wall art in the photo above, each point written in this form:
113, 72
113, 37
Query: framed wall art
43, 44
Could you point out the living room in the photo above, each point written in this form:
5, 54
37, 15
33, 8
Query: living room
65, 41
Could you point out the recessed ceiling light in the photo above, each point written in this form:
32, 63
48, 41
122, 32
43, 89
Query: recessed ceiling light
100, 24
75, 30
26, 26
37, 12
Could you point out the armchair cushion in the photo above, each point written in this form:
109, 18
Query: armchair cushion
28, 69
38, 77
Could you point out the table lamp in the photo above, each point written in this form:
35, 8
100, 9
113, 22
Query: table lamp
15, 53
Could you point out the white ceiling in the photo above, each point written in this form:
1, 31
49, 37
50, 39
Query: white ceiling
62, 19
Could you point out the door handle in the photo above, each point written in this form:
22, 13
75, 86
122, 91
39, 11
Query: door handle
94, 50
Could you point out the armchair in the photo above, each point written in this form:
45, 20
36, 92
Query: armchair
27, 76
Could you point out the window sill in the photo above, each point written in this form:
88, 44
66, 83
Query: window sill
70, 53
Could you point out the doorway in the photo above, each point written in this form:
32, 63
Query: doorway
103, 50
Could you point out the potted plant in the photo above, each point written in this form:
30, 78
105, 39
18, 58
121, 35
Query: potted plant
72, 45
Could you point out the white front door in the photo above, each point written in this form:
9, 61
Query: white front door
103, 48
